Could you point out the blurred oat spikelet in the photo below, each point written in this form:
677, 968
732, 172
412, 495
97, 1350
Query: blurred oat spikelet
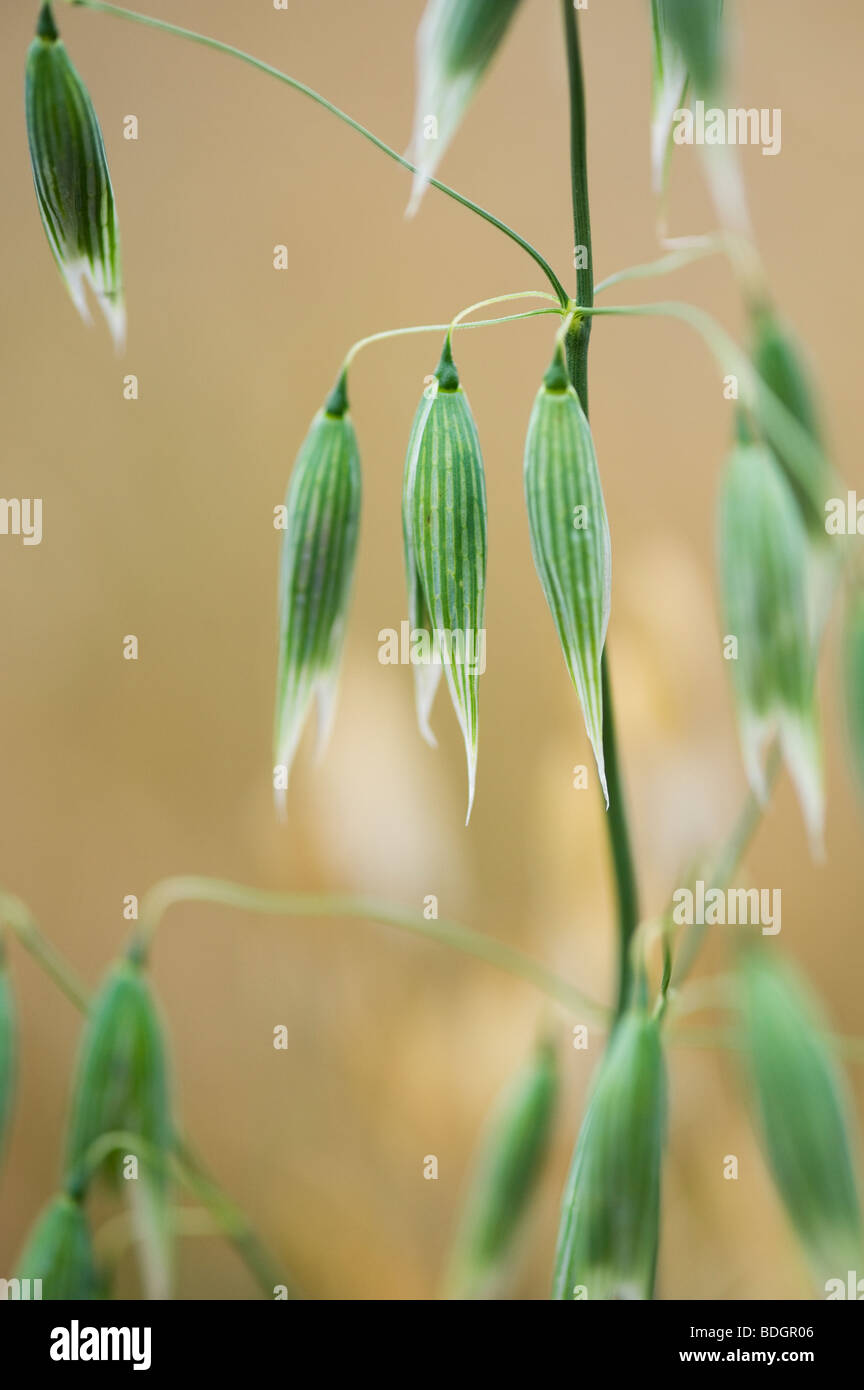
694, 30
70, 172
800, 452
668, 92
687, 51
777, 358
444, 519
8, 1049
763, 579
853, 678
803, 1115
570, 539
319, 546
504, 1181
121, 1080
609, 1231
456, 41
689, 40
59, 1251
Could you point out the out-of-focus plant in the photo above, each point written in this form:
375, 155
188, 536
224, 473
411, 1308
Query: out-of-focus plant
802, 1114
779, 575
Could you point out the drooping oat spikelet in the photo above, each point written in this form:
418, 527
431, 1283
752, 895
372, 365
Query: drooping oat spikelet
763, 578
444, 512
608, 1237
70, 172
59, 1251
456, 41
319, 545
121, 1080
668, 92
8, 1048
803, 1114
506, 1171
426, 672
695, 29
777, 359
780, 364
570, 539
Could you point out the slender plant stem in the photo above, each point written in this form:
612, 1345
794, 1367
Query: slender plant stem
189, 1165
204, 39
231, 1222
787, 435
117, 1233
580, 329
18, 918
445, 327
227, 1217
619, 843
732, 852
577, 365
457, 320
171, 891
725, 865
676, 971
722, 345
664, 265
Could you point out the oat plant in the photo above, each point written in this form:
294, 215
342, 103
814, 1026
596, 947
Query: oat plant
779, 573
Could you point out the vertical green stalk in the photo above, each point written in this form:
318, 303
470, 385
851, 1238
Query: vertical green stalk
580, 329
626, 888
577, 366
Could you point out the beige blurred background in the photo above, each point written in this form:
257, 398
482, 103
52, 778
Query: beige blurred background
157, 521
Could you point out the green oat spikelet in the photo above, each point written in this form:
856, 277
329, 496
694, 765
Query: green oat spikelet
695, 29
763, 580
570, 539
70, 173
8, 1048
121, 1080
511, 1157
777, 359
456, 41
610, 1218
799, 448
444, 515
319, 546
426, 673
802, 1111
59, 1251
668, 93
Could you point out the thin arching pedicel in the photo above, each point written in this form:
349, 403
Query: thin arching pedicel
173, 891
457, 320
17, 917
784, 430
193, 888
665, 265
448, 327
219, 46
